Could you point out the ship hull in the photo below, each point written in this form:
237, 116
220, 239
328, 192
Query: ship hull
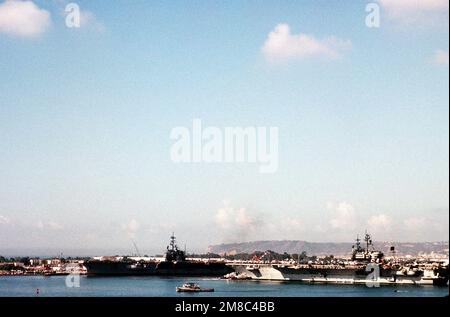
165, 268
326, 275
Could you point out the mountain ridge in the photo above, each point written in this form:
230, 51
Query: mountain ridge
327, 248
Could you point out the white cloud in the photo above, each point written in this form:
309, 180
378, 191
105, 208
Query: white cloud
281, 45
288, 227
243, 219
320, 228
88, 19
381, 221
23, 18
416, 12
343, 216
229, 217
440, 57
4, 220
426, 227
238, 224
291, 223
50, 225
131, 228
54, 225
223, 217
415, 223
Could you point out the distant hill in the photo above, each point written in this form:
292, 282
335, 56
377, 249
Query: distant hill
326, 248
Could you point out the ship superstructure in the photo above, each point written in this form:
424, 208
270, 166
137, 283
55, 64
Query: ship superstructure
173, 253
365, 254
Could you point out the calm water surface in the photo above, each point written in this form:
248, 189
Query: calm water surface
157, 286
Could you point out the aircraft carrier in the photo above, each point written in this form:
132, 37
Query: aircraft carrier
174, 264
366, 266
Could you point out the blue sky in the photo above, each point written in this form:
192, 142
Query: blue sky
86, 114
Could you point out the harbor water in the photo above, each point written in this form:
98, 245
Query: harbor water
151, 286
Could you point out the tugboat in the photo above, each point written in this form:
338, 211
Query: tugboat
193, 288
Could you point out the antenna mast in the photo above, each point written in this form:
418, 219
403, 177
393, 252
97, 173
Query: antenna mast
136, 248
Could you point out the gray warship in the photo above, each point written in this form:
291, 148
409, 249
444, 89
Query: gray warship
174, 264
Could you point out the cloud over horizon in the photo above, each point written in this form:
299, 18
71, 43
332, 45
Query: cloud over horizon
343, 216
4, 220
232, 222
49, 225
131, 228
